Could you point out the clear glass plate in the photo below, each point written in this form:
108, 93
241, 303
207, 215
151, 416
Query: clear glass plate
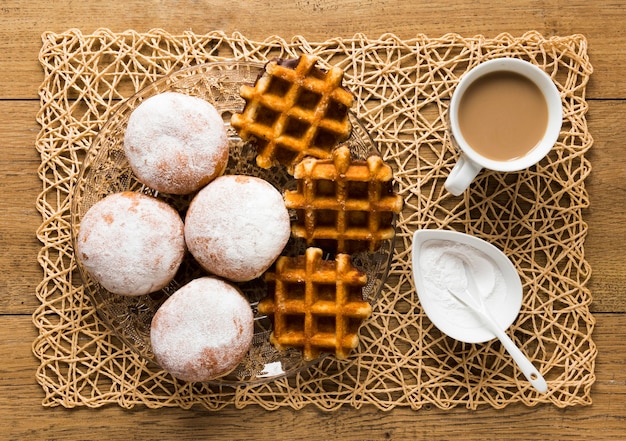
106, 171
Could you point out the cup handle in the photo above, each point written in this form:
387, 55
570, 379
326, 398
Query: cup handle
461, 175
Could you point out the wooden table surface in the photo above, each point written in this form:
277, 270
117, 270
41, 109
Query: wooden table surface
603, 23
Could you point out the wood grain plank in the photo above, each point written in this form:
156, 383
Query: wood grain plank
25, 418
601, 21
19, 218
605, 244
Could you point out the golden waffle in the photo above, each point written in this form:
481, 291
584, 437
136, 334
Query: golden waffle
343, 205
294, 110
317, 305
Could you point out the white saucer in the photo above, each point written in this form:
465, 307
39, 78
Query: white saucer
450, 316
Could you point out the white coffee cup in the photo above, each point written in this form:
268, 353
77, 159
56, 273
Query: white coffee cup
471, 161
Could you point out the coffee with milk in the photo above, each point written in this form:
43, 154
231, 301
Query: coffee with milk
503, 115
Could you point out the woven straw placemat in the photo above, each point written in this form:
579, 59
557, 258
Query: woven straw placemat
402, 89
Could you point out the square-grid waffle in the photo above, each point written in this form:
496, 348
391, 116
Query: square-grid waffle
294, 110
343, 205
317, 305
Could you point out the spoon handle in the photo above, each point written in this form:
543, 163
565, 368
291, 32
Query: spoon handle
470, 297
528, 369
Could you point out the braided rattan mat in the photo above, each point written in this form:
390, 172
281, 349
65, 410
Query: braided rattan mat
402, 89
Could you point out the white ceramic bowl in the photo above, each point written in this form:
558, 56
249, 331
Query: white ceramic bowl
500, 284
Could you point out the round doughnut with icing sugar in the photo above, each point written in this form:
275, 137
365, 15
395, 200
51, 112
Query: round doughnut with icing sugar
237, 226
131, 243
176, 143
203, 330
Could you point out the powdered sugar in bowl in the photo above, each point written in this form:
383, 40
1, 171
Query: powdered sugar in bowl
435, 255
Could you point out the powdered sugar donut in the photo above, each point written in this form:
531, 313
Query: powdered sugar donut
131, 243
203, 330
237, 226
176, 143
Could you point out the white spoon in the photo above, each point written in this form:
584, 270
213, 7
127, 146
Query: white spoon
469, 296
